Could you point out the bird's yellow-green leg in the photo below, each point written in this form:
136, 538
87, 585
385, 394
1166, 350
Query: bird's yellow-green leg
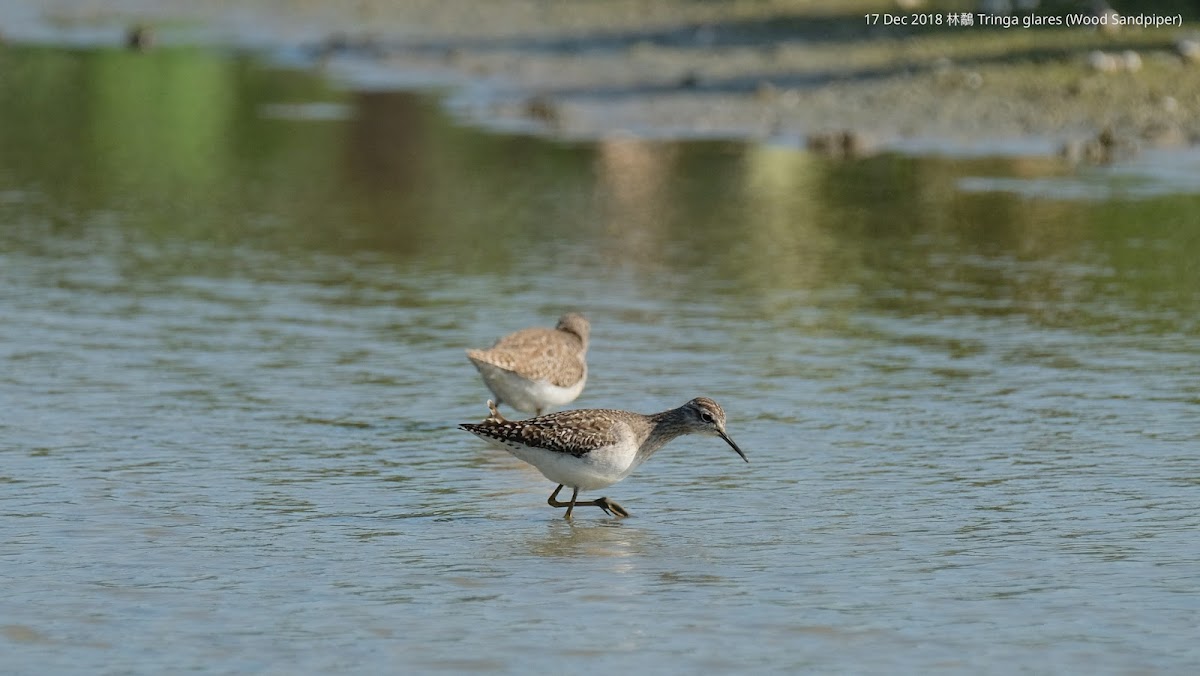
610, 507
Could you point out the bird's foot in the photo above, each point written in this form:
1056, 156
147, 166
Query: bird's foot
611, 507
495, 413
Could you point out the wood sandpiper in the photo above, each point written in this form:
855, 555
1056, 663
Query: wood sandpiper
534, 370
588, 449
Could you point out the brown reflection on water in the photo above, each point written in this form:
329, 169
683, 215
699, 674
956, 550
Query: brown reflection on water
387, 148
635, 203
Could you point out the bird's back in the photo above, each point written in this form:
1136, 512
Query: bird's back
539, 355
574, 433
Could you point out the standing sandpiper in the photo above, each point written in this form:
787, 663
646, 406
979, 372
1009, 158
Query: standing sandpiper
534, 370
594, 448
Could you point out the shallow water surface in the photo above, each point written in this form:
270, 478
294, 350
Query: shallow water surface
235, 302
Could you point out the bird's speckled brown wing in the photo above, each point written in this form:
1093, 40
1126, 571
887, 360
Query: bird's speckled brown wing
572, 432
538, 354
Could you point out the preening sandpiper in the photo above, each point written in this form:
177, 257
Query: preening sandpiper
534, 370
589, 449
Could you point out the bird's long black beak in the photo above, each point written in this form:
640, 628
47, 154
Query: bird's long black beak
735, 446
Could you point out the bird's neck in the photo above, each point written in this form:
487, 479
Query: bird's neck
663, 427
583, 341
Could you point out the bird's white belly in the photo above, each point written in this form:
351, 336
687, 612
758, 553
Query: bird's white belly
599, 468
528, 396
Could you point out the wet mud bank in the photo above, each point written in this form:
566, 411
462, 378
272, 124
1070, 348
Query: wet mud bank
821, 75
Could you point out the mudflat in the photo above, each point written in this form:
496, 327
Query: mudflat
850, 76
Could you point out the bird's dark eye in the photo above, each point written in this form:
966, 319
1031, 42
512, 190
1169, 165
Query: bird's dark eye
706, 416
